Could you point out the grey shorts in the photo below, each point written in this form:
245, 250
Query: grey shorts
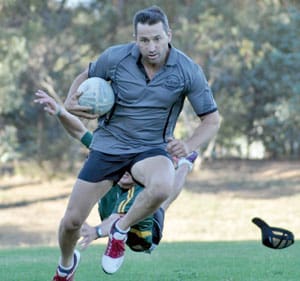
101, 166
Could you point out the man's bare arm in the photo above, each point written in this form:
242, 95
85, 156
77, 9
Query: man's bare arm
71, 102
206, 130
71, 123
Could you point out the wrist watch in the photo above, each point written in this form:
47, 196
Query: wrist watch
98, 232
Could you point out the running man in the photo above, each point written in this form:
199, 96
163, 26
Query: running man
145, 235
151, 80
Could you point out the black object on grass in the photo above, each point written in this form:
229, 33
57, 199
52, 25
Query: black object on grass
274, 237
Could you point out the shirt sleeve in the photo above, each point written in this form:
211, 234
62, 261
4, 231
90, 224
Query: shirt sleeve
200, 95
98, 68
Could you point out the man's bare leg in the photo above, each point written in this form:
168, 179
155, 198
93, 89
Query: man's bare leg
180, 176
185, 166
83, 197
157, 175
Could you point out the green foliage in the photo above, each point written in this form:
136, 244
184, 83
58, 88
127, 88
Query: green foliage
255, 74
13, 56
250, 52
9, 144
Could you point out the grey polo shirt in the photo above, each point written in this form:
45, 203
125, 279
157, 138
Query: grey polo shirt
146, 112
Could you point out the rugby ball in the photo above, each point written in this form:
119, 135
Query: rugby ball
98, 94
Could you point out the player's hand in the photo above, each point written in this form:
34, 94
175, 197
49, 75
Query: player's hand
71, 104
177, 148
51, 106
88, 234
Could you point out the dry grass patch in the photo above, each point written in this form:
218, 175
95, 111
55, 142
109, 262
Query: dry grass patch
218, 203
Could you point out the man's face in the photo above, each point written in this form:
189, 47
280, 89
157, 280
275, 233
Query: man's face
153, 41
126, 181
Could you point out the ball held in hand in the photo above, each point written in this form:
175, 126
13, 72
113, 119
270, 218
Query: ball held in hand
98, 94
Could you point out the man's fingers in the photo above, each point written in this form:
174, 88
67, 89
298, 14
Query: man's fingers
85, 115
82, 111
77, 94
173, 146
49, 110
71, 104
177, 148
81, 108
82, 244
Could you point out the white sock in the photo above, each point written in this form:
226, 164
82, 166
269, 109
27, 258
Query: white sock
62, 270
185, 161
120, 234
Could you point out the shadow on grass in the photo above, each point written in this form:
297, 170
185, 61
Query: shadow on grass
29, 202
16, 185
247, 179
247, 189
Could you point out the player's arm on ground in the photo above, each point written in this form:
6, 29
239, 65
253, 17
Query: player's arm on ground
90, 233
71, 123
71, 103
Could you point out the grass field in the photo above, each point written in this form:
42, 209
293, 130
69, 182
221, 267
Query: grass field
186, 261
217, 204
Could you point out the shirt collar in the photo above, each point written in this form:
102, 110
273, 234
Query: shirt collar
135, 52
172, 56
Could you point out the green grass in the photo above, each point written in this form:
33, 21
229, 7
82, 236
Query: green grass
202, 261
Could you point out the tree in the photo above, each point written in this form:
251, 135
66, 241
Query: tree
249, 51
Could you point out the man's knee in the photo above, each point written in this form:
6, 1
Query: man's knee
71, 223
160, 189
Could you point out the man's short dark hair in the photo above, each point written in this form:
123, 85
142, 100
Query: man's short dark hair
151, 15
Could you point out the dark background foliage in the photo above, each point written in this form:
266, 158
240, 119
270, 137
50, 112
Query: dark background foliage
249, 50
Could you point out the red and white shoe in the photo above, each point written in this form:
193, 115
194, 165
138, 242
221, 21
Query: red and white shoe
68, 275
114, 255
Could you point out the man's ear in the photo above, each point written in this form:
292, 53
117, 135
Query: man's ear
169, 36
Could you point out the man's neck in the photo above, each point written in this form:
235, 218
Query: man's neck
126, 186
